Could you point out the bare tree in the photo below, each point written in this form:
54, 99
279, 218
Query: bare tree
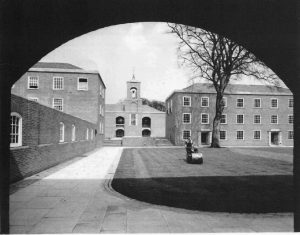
218, 60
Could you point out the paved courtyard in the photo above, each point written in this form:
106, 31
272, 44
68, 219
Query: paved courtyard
77, 197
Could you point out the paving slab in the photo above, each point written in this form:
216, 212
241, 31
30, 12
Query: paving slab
54, 225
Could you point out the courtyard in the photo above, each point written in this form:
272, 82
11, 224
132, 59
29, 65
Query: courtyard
235, 180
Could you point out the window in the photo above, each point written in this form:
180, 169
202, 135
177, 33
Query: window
92, 134
61, 132
291, 119
204, 101
15, 130
33, 82
100, 90
290, 135
171, 106
58, 104
82, 84
186, 101
73, 133
274, 103
257, 119
240, 119
223, 119
186, 134
240, 135
186, 118
222, 135
256, 135
204, 118
274, 119
87, 134
224, 101
257, 103
240, 103
133, 119
291, 103
35, 99
58, 83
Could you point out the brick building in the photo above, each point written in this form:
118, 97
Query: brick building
130, 119
253, 115
67, 88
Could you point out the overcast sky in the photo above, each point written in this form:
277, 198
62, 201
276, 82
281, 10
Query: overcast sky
117, 51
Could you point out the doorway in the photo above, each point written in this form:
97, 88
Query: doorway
274, 138
204, 138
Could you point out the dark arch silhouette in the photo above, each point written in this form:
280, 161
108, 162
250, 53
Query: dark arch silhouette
32, 28
146, 133
120, 133
120, 120
146, 122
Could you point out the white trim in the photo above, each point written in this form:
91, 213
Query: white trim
271, 103
20, 131
277, 120
238, 98
87, 134
225, 119
92, 134
87, 82
225, 135
236, 137
207, 118
254, 118
62, 81
259, 134
183, 132
259, 103
237, 119
205, 97
38, 82
189, 118
62, 104
73, 133
190, 101
63, 132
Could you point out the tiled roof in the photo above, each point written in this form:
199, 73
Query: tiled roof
54, 65
237, 89
128, 108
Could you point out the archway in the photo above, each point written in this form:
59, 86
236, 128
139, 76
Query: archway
253, 24
146, 122
146, 133
120, 133
120, 121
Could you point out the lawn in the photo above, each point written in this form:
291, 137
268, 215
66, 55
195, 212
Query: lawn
244, 180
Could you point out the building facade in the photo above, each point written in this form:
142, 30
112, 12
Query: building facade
131, 119
253, 115
66, 88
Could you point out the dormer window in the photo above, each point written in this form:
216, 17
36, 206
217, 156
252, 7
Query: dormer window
133, 92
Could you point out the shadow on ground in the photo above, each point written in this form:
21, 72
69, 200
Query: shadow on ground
239, 194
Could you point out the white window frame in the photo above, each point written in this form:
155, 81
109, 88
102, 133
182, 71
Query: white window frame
254, 119
136, 119
20, 132
62, 104
288, 137
237, 119
225, 119
259, 134
28, 82
87, 134
185, 105
225, 101
276, 118
202, 98
184, 132
289, 117
272, 103
238, 102
73, 137
225, 135
54, 83
202, 118
190, 118
171, 106
291, 100
255, 103
83, 88
243, 134
92, 134
61, 132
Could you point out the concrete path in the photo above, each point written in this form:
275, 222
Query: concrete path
76, 197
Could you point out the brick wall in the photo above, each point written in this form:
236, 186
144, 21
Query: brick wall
41, 148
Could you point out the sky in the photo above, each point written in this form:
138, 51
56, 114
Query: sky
145, 49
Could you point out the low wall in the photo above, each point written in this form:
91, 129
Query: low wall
140, 141
41, 148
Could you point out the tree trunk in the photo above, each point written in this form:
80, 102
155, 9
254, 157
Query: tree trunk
215, 143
